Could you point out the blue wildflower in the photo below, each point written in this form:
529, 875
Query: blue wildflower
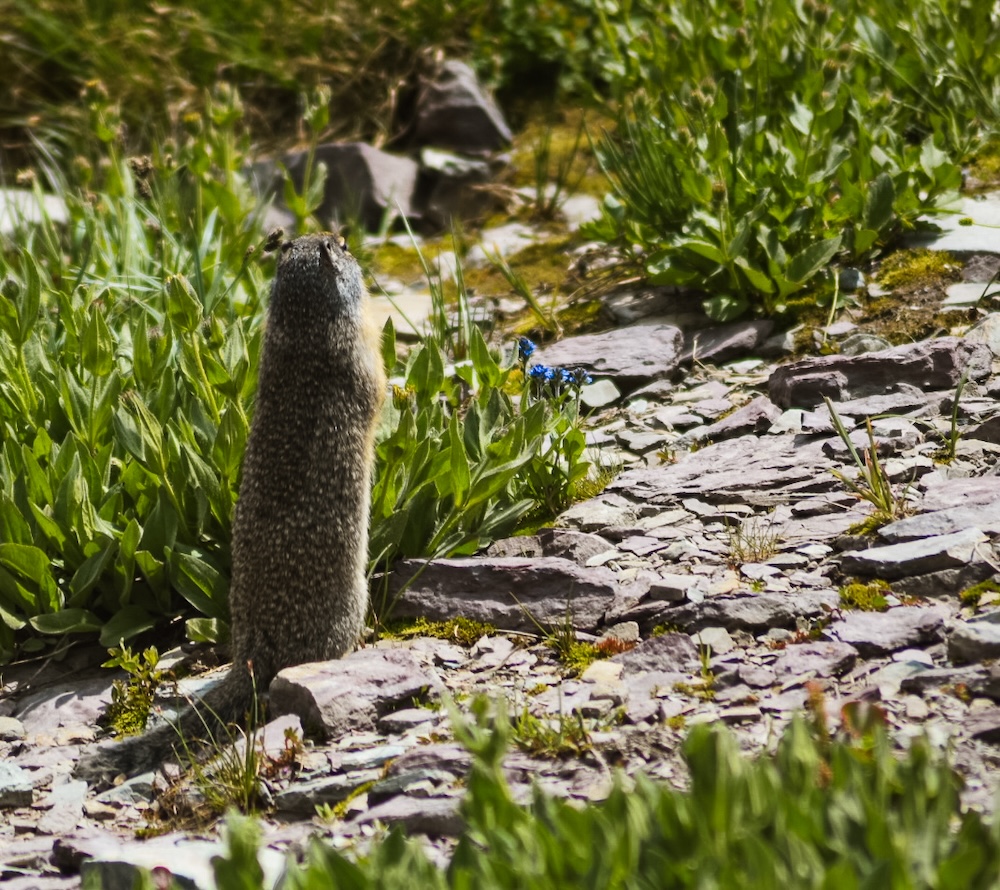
566, 377
525, 348
581, 377
541, 372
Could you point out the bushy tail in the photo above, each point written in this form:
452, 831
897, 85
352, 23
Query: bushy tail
204, 721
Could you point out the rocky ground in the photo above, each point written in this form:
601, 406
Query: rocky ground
715, 562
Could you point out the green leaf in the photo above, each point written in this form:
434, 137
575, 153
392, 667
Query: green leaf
66, 621
725, 307
28, 561
389, 358
86, 577
816, 256
97, 349
142, 358
200, 584
14, 529
183, 306
230, 442
206, 630
460, 478
878, 205
127, 622
30, 298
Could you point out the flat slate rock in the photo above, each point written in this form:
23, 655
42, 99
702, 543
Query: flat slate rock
975, 640
823, 658
917, 557
511, 593
960, 492
928, 365
882, 633
984, 517
753, 612
726, 341
754, 417
667, 652
758, 471
335, 697
631, 356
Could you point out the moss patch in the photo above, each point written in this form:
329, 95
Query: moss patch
868, 597
972, 595
909, 269
463, 631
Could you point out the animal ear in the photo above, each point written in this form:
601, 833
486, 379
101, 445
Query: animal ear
287, 246
342, 239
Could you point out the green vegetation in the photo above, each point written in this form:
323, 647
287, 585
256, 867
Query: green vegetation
132, 699
463, 631
972, 595
866, 597
751, 539
763, 143
819, 813
870, 482
912, 268
129, 342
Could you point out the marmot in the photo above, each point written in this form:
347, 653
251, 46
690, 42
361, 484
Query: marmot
300, 531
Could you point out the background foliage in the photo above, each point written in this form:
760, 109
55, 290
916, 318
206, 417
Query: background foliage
760, 144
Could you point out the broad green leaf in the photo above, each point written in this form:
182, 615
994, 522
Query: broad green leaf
389, 358
206, 630
30, 298
66, 621
85, 578
97, 350
28, 561
127, 622
183, 306
200, 584
878, 205
14, 529
809, 261
725, 307
460, 478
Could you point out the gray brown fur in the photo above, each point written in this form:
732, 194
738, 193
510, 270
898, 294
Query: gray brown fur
300, 533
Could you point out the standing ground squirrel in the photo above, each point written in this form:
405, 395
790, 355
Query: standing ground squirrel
300, 532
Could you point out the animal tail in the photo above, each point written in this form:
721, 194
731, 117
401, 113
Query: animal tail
207, 719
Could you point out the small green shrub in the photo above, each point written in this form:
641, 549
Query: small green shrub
132, 699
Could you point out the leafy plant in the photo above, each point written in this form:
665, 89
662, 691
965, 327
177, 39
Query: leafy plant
754, 153
132, 699
820, 812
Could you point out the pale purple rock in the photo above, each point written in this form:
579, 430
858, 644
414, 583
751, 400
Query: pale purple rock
821, 658
667, 652
511, 593
975, 640
929, 365
335, 697
753, 418
631, 356
717, 344
880, 633
917, 557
